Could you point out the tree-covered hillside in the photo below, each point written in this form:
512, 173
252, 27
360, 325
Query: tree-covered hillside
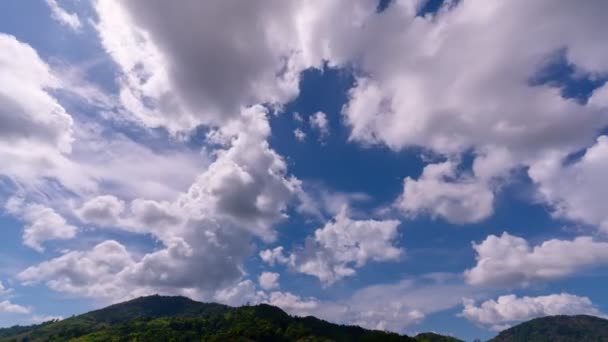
579, 328
157, 318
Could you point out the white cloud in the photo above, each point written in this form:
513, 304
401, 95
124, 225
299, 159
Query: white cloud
257, 60
112, 161
92, 273
5, 291
206, 232
340, 247
299, 134
441, 192
242, 293
269, 280
420, 94
8, 307
576, 191
452, 84
70, 20
41, 224
102, 210
508, 310
508, 261
274, 256
318, 121
395, 307
37, 138
35, 130
398, 104
293, 303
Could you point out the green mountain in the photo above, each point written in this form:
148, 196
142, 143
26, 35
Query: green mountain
158, 318
580, 328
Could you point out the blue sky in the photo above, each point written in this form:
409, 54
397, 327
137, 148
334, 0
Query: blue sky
414, 166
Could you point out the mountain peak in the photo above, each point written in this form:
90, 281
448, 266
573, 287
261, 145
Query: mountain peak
579, 328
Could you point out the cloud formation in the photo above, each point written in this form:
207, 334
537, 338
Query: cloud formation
35, 130
507, 310
508, 261
339, 247
576, 191
65, 18
269, 280
440, 192
319, 122
450, 82
206, 233
8, 307
257, 60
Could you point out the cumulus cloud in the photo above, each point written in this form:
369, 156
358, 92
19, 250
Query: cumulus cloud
244, 292
293, 303
398, 105
91, 273
507, 310
8, 307
299, 134
65, 18
341, 246
102, 210
450, 82
257, 60
318, 121
508, 261
413, 88
269, 280
35, 130
441, 192
37, 139
206, 232
41, 223
576, 191
274, 256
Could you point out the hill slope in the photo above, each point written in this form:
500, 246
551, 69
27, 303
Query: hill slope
158, 318
432, 337
579, 328
143, 308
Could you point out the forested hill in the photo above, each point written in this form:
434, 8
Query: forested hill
579, 328
158, 318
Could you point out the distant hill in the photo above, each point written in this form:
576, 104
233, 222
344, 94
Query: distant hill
580, 328
143, 308
158, 318
432, 337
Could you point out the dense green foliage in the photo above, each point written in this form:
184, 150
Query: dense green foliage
145, 308
159, 318
557, 329
18, 330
